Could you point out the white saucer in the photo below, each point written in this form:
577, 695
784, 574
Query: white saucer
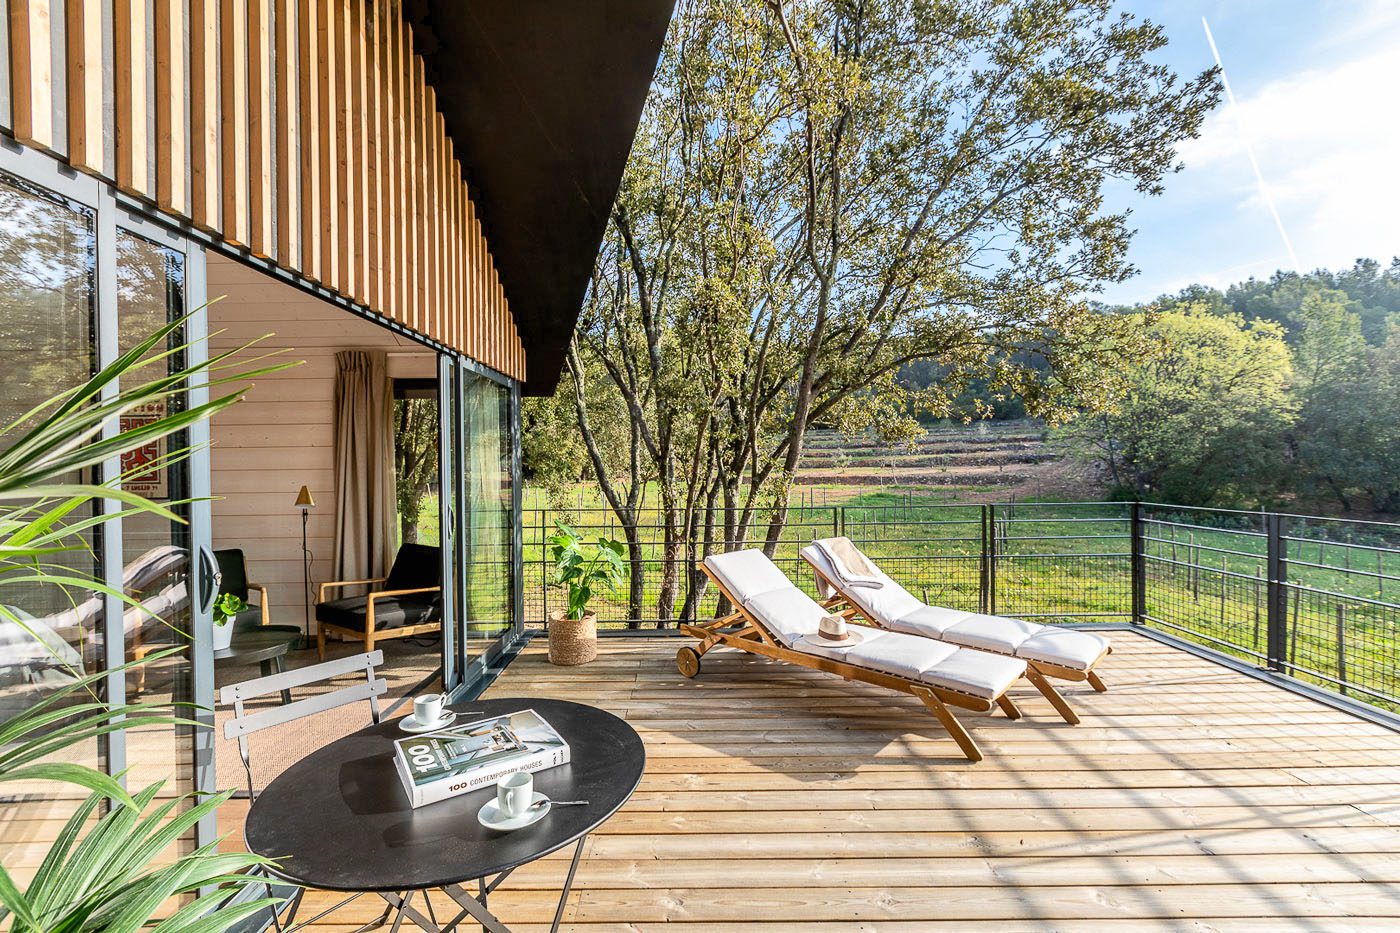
852, 638
410, 724
490, 815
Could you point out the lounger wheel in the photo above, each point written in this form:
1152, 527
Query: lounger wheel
688, 662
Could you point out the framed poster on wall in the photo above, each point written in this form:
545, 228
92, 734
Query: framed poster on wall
141, 467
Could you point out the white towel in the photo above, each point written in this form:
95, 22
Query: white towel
850, 566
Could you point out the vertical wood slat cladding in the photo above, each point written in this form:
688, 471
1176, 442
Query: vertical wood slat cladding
260, 132
301, 130
132, 70
206, 182
31, 71
287, 63
86, 149
309, 87
172, 128
233, 127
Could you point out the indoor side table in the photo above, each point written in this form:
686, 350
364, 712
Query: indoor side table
265, 645
340, 820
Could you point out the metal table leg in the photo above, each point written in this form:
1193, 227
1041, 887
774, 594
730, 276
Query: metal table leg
475, 907
568, 885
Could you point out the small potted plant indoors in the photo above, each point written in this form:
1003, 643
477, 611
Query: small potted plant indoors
226, 609
581, 570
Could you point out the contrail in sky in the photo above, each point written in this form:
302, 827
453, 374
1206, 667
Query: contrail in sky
1264, 191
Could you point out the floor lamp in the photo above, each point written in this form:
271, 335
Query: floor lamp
306, 504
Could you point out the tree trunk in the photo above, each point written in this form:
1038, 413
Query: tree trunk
636, 578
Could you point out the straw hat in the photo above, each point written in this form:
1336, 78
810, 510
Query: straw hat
833, 632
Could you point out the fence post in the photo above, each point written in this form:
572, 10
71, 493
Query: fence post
544, 569
1342, 649
1277, 591
989, 556
1138, 567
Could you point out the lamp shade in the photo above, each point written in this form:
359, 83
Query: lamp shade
304, 500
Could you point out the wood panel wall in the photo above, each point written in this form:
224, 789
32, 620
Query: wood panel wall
282, 435
301, 131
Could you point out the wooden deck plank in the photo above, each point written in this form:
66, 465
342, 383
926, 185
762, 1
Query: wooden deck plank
780, 800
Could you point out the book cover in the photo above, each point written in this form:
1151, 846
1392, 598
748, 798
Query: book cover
463, 758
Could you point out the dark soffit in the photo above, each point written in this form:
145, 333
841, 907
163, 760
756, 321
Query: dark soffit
542, 100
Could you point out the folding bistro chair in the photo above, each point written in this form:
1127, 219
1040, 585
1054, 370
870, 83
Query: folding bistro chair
868, 591
244, 723
774, 619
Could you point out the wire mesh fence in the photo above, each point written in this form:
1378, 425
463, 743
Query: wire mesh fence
1314, 598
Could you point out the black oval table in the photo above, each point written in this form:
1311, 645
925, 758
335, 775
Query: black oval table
340, 820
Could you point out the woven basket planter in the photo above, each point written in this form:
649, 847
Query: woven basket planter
572, 641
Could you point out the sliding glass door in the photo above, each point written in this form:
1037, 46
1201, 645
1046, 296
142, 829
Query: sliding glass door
82, 282
480, 509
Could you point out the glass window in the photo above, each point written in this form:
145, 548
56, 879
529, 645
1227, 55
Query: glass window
49, 634
155, 551
490, 597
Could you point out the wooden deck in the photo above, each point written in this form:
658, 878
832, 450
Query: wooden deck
1191, 797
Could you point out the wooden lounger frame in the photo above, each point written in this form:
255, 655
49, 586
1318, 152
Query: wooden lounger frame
751, 636
1058, 671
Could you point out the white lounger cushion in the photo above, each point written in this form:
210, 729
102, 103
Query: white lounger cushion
1065, 647
788, 614
748, 573
1029, 641
891, 607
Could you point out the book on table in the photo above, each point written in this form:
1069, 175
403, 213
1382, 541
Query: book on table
462, 758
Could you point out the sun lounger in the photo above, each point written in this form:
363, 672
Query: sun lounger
1053, 650
774, 619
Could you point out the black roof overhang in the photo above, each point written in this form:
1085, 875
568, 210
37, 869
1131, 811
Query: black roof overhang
542, 100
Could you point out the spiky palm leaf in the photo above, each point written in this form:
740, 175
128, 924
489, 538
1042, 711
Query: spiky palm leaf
107, 877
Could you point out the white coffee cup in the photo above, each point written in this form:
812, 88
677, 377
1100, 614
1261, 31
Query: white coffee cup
427, 710
515, 792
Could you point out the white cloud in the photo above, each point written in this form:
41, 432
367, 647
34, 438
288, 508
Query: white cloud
1328, 142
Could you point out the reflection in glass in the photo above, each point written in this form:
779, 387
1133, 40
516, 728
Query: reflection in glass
490, 596
155, 551
50, 635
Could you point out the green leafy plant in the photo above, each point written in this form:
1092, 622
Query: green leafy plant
115, 874
581, 569
227, 607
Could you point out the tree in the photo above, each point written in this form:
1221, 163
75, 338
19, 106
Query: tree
825, 191
1345, 437
1206, 416
415, 459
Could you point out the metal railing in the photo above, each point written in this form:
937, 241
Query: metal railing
1314, 598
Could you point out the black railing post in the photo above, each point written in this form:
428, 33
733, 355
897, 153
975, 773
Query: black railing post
989, 542
1137, 567
1277, 592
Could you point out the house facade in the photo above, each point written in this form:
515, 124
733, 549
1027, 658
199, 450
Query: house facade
407, 197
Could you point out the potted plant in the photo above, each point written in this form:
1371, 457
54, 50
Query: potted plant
580, 570
226, 609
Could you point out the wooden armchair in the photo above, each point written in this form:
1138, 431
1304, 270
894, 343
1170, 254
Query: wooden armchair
408, 604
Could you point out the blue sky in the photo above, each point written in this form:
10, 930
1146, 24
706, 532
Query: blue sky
1317, 86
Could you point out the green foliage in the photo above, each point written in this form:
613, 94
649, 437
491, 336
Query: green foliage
415, 459
226, 607
1334, 436
1205, 417
822, 193
105, 877
64, 436
102, 879
582, 570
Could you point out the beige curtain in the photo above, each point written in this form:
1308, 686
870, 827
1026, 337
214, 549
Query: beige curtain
364, 466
